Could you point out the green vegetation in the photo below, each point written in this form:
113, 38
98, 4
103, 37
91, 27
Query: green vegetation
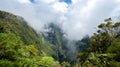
56, 37
21, 46
19, 27
14, 53
105, 47
18, 44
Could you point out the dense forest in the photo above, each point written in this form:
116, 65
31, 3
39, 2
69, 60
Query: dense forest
22, 46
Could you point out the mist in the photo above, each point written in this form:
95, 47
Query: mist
76, 19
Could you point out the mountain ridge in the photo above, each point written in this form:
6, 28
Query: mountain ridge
28, 35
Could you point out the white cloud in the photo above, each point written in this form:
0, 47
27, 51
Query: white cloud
84, 16
48, 1
24, 1
118, 1
77, 19
89, 6
75, 1
60, 6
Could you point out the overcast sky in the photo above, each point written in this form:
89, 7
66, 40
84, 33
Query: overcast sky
76, 17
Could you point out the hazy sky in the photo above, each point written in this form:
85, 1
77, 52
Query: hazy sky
76, 17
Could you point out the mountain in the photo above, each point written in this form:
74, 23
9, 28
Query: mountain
52, 43
55, 36
14, 30
18, 26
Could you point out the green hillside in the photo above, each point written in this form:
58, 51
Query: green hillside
21, 46
19, 27
15, 32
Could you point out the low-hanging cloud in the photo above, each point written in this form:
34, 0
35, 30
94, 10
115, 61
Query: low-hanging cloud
77, 19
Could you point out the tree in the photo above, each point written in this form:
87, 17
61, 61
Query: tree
83, 44
9, 46
13, 53
104, 48
104, 36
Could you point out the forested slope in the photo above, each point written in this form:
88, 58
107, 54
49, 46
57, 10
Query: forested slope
21, 46
19, 27
104, 50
